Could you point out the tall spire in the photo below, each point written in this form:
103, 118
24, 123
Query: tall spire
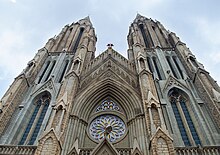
70, 37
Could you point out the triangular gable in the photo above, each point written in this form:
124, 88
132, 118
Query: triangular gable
62, 101
75, 148
157, 137
152, 99
104, 148
136, 148
50, 133
122, 78
111, 73
172, 81
140, 55
47, 86
136, 152
161, 131
49, 140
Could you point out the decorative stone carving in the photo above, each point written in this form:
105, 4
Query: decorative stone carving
49, 86
171, 81
109, 126
75, 148
107, 105
136, 148
104, 147
216, 95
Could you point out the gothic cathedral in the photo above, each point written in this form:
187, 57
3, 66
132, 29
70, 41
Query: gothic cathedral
159, 101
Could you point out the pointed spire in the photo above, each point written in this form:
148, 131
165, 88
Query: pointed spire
75, 148
136, 145
87, 19
136, 148
138, 16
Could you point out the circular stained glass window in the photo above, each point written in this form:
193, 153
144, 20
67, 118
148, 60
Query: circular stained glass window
110, 126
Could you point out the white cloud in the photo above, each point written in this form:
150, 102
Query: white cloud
13, 1
13, 54
209, 30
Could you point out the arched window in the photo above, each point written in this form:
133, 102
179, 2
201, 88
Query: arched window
142, 63
50, 71
171, 67
155, 115
158, 68
45, 69
147, 39
78, 40
76, 65
183, 118
36, 120
150, 65
64, 71
177, 65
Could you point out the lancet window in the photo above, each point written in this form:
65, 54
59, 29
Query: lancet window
44, 71
63, 71
36, 120
78, 40
183, 118
145, 37
177, 65
150, 65
50, 71
174, 65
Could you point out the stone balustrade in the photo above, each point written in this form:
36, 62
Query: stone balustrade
17, 150
206, 150
124, 151
85, 151
121, 151
30, 150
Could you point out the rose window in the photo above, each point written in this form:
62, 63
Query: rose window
109, 126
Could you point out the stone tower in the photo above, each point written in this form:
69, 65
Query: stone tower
159, 101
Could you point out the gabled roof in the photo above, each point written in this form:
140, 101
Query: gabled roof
104, 147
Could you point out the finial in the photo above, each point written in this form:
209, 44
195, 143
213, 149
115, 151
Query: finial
110, 45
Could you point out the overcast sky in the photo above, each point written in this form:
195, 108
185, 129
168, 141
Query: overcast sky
26, 25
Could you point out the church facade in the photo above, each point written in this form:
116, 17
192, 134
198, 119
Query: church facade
159, 101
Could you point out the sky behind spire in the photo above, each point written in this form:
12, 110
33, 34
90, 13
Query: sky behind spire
26, 25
